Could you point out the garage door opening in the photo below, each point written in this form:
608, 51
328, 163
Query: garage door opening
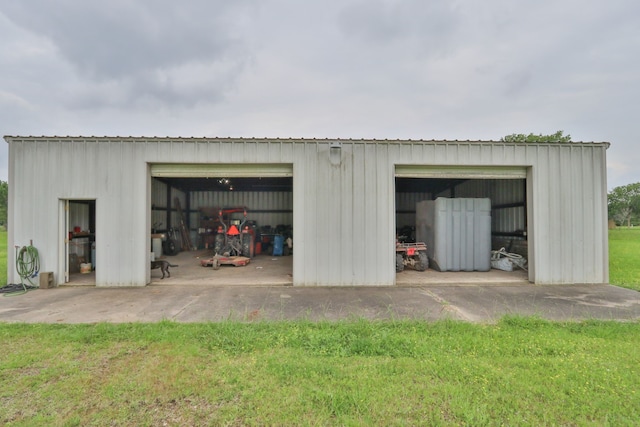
223, 224
506, 191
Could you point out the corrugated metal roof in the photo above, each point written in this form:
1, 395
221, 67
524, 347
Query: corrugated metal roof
10, 138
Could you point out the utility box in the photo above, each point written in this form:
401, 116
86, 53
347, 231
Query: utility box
46, 280
457, 233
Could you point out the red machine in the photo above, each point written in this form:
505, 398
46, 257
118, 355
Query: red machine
412, 255
234, 241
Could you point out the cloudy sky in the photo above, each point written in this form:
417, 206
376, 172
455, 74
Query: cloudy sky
436, 69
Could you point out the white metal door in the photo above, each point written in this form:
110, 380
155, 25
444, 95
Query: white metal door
63, 248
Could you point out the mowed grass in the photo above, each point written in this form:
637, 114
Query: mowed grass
624, 257
517, 372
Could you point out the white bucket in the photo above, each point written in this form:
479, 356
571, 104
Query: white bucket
85, 268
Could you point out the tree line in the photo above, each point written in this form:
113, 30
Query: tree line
624, 204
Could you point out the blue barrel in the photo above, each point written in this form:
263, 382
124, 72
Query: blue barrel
278, 245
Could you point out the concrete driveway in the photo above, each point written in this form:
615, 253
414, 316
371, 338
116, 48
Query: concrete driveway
483, 303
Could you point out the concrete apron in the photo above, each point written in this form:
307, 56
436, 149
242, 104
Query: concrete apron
203, 303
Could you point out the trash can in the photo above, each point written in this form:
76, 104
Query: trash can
278, 245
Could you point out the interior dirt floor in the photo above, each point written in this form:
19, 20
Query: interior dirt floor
265, 269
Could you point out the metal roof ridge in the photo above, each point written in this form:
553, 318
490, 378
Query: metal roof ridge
289, 139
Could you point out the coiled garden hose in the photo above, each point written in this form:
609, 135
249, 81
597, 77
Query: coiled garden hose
27, 266
28, 263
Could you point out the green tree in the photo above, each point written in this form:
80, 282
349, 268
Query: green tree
521, 137
4, 199
624, 203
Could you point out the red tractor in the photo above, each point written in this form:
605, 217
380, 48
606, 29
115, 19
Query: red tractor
234, 241
234, 238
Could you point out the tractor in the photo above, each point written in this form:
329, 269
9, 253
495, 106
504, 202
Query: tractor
233, 238
234, 241
412, 255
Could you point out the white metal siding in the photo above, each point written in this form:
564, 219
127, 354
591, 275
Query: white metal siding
344, 214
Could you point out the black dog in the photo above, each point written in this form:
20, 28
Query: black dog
163, 266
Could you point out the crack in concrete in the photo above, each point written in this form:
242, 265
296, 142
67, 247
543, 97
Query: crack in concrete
447, 306
184, 307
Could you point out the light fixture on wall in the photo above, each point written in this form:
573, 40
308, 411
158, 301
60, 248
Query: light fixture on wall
335, 153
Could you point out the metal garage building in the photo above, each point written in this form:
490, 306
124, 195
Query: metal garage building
344, 198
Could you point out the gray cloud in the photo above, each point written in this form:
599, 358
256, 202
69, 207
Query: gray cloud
381, 22
127, 37
133, 51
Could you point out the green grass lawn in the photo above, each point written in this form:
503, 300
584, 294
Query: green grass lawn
517, 372
624, 257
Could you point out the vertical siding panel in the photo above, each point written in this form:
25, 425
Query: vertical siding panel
549, 201
569, 254
599, 185
334, 262
439, 153
319, 235
305, 217
541, 212
349, 261
556, 190
593, 240
142, 242
261, 151
578, 266
586, 229
299, 219
386, 232
275, 152
371, 218
475, 152
361, 238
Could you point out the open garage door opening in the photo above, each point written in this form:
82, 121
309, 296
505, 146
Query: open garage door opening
473, 221
222, 224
